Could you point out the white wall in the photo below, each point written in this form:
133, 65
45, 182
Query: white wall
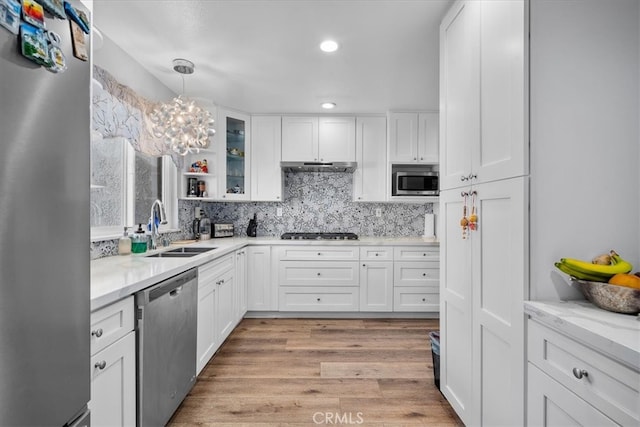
128, 71
584, 135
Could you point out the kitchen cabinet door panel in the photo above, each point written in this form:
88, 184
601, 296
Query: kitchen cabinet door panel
319, 298
234, 155
266, 149
113, 384
416, 299
262, 290
459, 92
428, 138
206, 342
376, 286
299, 139
370, 177
403, 137
337, 139
225, 305
550, 404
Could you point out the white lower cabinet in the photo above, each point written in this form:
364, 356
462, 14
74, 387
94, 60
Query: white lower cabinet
113, 365
376, 278
416, 299
319, 298
570, 383
416, 279
262, 288
241, 284
216, 307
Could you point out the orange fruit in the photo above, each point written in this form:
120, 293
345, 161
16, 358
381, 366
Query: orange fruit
625, 279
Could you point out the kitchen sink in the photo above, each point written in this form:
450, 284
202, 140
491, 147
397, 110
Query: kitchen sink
184, 252
190, 250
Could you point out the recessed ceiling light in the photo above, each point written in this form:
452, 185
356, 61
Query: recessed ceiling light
328, 46
328, 105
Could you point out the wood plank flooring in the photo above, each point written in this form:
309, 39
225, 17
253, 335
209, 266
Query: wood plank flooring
309, 372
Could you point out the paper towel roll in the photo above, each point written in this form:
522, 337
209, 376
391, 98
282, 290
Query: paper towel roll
429, 226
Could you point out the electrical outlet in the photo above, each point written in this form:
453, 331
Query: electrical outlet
378, 212
198, 212
278, 211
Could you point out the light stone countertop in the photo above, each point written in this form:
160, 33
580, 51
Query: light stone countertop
617, 335
116, 277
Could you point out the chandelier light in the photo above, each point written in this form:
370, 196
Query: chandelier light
183, 125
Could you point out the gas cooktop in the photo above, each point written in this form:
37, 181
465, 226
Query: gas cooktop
319, 236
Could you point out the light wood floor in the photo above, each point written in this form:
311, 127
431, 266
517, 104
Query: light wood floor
308, 372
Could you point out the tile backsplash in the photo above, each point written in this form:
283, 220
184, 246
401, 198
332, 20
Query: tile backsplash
314, 201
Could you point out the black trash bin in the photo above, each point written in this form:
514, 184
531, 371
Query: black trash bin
435, 351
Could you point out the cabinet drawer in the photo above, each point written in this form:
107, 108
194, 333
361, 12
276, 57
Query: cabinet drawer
111, 323
314, 273
376, 253
311, 253
319, 299
609, 386
413, 298
416, 253
416, 274
215, 268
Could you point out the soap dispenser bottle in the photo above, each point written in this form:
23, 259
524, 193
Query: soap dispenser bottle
124, 244
139, 241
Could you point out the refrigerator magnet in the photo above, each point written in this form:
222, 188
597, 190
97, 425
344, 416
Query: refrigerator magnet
76, 16
58, 62
79, 41
10, 15
54, 7
33, 13
33, 43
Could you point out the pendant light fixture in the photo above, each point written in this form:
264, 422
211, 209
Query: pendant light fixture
185, 127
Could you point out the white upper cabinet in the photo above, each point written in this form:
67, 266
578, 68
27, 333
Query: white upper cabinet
313, 139
234, 155
482, 87
413, 138
266, 173
369, 179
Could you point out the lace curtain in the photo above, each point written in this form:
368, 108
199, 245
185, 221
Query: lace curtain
118, 111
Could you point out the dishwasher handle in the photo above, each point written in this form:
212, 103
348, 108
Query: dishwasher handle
171, 286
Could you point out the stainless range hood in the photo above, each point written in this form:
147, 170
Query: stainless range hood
318, 166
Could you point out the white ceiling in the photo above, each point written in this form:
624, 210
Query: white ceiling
262, 56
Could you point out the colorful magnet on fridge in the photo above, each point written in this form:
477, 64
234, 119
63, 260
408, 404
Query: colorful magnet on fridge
77, 16
33, 13
79, 41
54, 7
10, 15
34, 45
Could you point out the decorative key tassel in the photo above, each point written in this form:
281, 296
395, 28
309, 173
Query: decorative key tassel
464, 222
473, 218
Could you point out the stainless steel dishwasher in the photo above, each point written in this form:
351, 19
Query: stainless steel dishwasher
166, 326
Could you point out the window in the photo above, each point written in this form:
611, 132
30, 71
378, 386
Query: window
124, 185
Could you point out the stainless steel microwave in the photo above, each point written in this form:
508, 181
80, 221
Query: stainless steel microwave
408, 183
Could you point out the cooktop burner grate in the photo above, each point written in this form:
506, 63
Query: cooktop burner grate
319, 236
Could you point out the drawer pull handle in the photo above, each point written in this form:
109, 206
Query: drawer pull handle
101, 365
424, 300
579, 373
318, 274
364, 265
319, 254
377, 254
424, 274
97, 333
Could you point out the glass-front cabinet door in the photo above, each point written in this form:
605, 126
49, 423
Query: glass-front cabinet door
234, 157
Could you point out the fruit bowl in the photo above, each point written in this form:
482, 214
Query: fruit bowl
618, 299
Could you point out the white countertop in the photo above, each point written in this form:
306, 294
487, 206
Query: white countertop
617, 335
116, 277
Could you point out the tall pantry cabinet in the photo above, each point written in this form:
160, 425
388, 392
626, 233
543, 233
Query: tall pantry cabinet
484, 163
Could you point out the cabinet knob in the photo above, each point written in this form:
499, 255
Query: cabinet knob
319, 254
463, 178
424, 254
424, 300
415, 158
424, 274
472, 176
97, 333
421, 158
277, 197
364, 265
318, 274
318, 299
579, 373
101, 365
376, 254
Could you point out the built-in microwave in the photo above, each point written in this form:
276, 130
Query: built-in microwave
415, 183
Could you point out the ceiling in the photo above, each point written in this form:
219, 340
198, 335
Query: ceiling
263, 56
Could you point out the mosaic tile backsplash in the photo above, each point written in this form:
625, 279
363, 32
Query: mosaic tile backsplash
313, 201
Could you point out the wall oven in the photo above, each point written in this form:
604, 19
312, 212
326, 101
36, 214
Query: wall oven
415, 183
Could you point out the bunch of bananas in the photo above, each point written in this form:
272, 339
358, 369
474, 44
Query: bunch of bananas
597, 270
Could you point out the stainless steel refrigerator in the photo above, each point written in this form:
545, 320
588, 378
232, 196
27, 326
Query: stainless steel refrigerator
44, 236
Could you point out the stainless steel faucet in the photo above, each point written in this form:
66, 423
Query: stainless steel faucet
152, 219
